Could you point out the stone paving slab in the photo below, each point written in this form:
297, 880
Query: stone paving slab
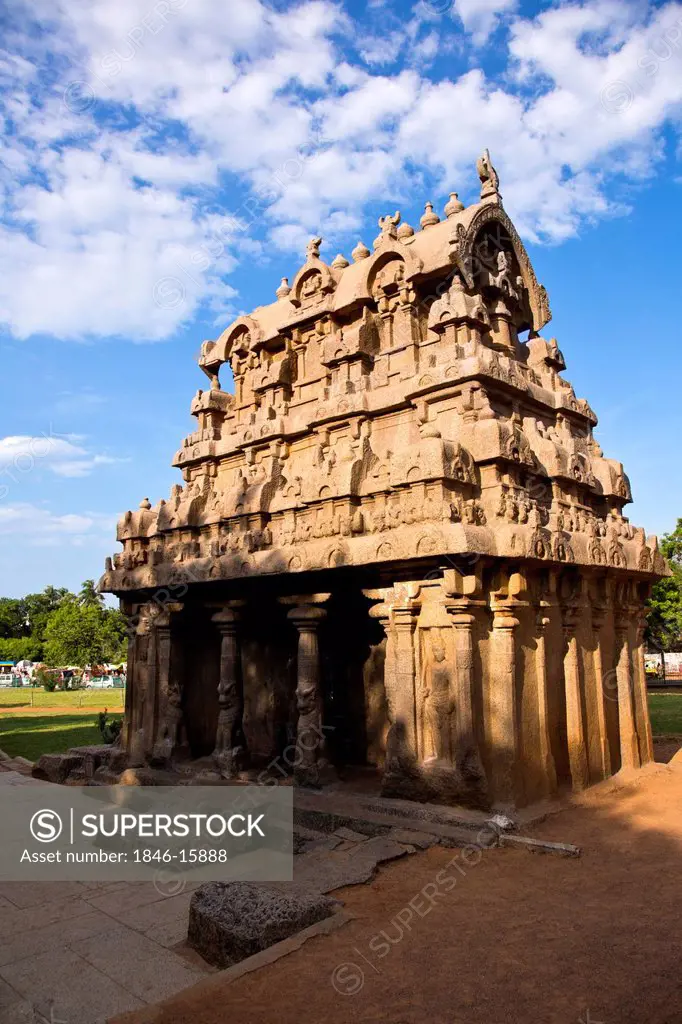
323, 872
164, 921
46, 913
79, 993
34, 894
22, 943
138, 964
125, 900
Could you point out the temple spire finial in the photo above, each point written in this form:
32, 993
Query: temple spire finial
312, 249
490, 182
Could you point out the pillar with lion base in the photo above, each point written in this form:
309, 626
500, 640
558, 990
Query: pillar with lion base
169, 733
230, 754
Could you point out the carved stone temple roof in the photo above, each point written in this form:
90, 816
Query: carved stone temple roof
397, 405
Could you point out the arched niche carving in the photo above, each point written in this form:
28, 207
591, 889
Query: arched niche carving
382, 263
312, 282
492, 225
240, 337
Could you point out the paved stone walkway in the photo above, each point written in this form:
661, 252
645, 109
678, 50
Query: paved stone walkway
82, 952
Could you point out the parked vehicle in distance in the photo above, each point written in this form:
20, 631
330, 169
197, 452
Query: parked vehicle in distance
105, 683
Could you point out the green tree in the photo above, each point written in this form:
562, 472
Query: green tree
81, 635
39, 607
20, 649
664, 626
89, 596
13, 621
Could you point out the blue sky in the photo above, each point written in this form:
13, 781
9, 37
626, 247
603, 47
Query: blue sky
165, 161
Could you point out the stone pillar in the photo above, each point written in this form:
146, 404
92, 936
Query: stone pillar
230, 753
575, 730
312, 767
646, 746
403, 664
464, 744
138, 736
132, 694
598, 619
504, 725
547, 766
382, 613
169, 732
629, 746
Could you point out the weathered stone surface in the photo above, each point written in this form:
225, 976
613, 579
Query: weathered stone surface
422, 840
56, 767
350, 835
325, 872
402, 507
138, 777
229, 921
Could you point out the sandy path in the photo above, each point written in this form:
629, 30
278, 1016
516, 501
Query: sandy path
519, 937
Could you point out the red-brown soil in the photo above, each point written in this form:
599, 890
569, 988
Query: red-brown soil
520, 937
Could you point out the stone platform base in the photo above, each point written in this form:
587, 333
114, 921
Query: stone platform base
435, 782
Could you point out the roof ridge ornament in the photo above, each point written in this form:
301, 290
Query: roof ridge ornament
283, 289
388, 227
429, 218
453, 206
490, 182
312, 249
360, 252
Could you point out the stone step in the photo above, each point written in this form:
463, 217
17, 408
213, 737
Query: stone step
329, 812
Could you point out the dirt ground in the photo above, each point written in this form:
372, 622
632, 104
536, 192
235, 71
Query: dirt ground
518, 937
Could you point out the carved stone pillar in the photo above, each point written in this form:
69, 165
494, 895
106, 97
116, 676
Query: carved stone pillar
464, 744
230, 753
504, 726
548, 768
312, 767
132, 693
575, 730
138, 737
598, 619
169, 726
646, 746
403, 663
629, 745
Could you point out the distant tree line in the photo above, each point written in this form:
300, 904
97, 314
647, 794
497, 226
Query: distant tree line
61, 628
664, 626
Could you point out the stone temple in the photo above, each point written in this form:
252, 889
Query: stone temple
397, 543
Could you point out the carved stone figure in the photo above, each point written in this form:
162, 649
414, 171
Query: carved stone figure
439, 704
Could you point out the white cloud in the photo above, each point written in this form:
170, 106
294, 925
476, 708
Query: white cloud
40, 527
119, 146
480, 17
61, 454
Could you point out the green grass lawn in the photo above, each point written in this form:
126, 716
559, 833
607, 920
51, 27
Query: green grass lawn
64, 725
665, 710
32, 735
28, 696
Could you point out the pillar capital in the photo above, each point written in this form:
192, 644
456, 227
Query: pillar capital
162, 619
599, 612
227, 615
305, 610
504, 614
570, 619
307, 616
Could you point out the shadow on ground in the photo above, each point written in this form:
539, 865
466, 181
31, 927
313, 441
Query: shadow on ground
517, 937
32, 735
